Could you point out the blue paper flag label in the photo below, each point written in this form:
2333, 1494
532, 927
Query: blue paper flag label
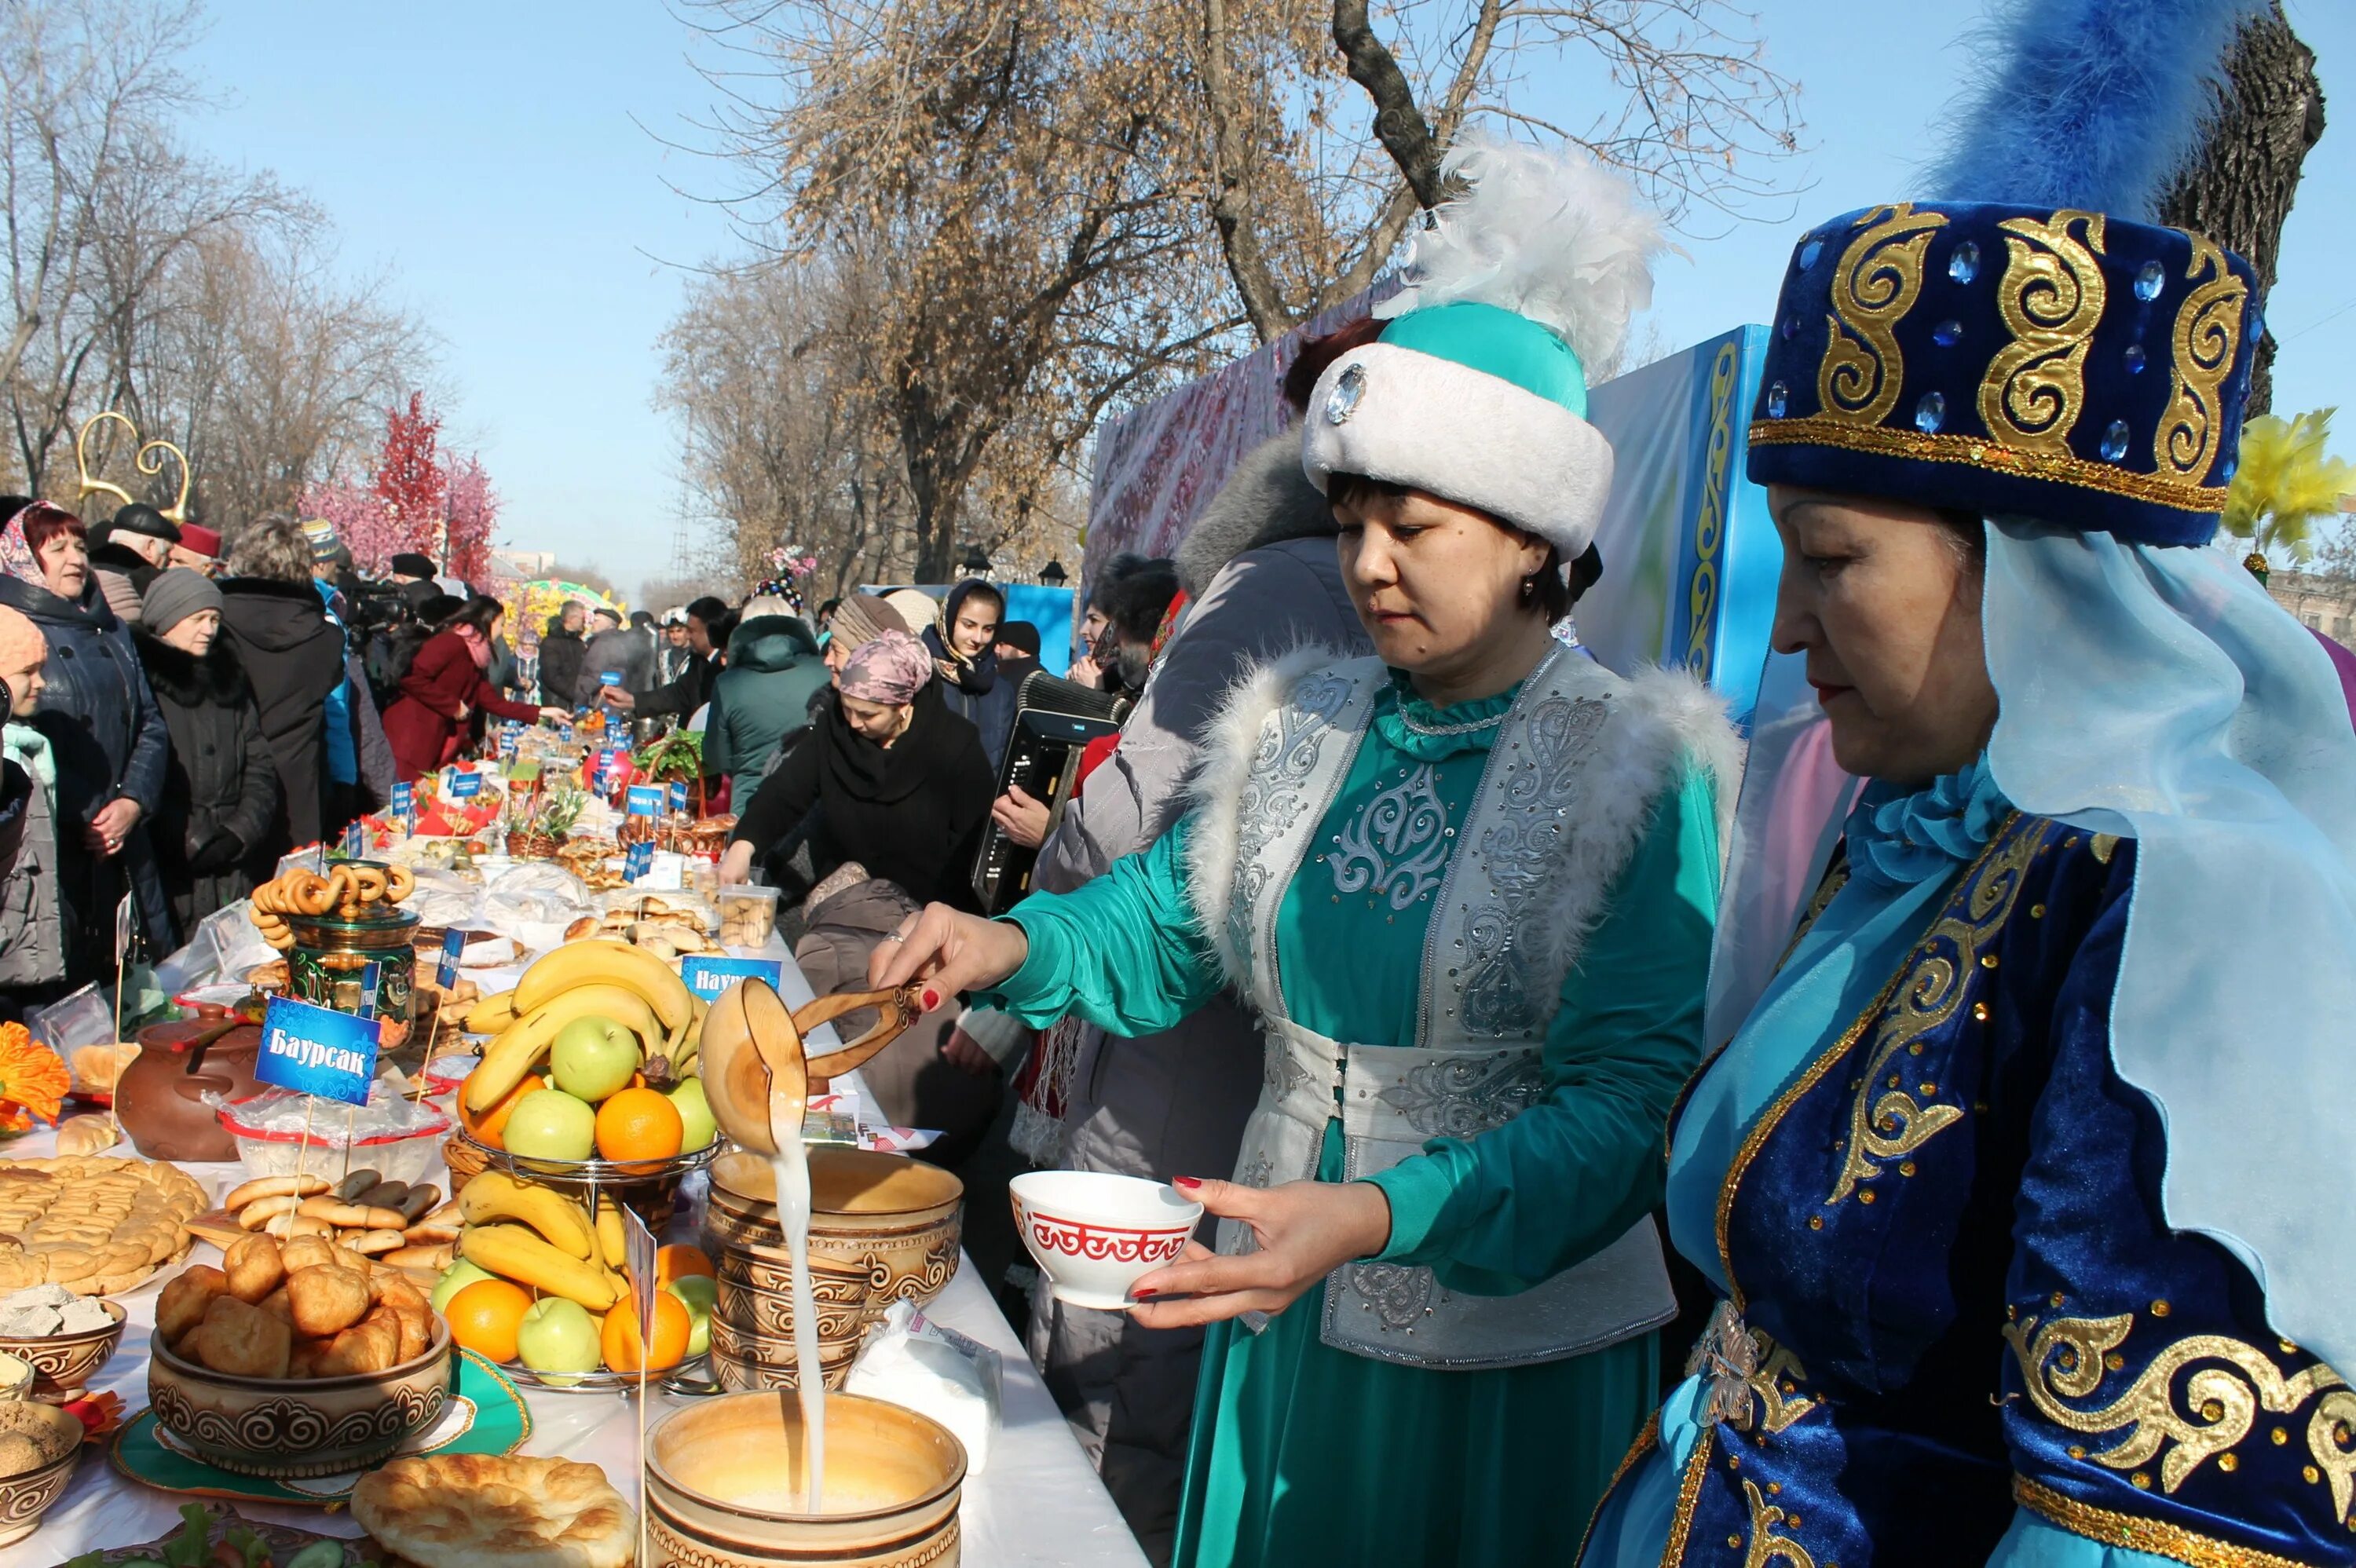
404, 799
454, 942
465, 785
645, 800
707, 977
637, 859
609, 678
316, 1050
355, 840
678, 792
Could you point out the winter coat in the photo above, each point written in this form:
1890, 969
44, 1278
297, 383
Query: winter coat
761, 699
1260, 564
32, 924
625, 652
912, 813
294, 655
110, 743
440, 692
122, 576
211, 835
690, 689
561, 653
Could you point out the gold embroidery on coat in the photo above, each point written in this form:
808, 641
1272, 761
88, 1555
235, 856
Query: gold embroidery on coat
1781, 1106
1689, 1498
2151, 1535
1878, 280
2051, 300
2063, 1360
1766, 1546
1895, 1124
2208, 331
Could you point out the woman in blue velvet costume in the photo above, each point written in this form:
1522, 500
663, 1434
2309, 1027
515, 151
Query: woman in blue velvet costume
2023, 1181
1468, 884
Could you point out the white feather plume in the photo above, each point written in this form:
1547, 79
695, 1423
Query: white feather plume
1548, 234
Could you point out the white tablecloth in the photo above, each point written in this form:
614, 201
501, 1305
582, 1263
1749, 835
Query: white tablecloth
1038, 1502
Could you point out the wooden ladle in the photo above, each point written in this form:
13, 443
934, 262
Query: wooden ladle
752, 1050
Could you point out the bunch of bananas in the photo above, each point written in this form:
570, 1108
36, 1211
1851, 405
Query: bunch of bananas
542, 1240
583, 979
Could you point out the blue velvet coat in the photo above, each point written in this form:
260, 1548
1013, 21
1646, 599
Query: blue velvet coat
1946, 1242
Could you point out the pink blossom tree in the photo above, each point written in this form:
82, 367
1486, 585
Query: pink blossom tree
471, 506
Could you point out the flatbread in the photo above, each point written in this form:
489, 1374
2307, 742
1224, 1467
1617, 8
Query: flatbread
488, 1510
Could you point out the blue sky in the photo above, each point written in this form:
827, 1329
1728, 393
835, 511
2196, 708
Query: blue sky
504, 161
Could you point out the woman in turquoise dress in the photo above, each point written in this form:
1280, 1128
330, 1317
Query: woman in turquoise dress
2022, 1182
1468, 884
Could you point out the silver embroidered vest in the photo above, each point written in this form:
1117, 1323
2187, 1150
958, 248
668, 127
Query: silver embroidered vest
1504, 933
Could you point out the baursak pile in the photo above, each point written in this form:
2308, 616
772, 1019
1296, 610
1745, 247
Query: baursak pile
302, 1308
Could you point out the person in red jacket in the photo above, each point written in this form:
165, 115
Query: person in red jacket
445, 687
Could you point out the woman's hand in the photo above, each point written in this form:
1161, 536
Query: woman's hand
1306, 1231
1023, 818
950, 952
555, 715
736, 864
112, 824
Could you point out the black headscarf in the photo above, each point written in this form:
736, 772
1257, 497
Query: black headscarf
973, 676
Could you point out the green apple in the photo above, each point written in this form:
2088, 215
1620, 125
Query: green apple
592, 1057
557, 1336
548, 1123
696, 1127
698, 1291
456, 1278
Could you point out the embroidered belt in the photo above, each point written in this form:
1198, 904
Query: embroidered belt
1394, 1101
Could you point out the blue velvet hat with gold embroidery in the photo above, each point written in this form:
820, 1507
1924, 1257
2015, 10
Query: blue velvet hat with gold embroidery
2062, 365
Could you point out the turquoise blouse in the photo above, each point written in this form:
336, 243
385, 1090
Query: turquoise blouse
1490, 1215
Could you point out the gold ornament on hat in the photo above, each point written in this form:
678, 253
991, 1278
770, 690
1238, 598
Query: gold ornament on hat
2051, 300
1881, 278
148, 459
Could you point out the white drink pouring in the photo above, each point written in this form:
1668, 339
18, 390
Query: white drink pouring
790, 1165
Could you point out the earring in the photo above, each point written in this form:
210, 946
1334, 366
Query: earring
1529, 589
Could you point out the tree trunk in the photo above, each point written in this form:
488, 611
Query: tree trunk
2241, 188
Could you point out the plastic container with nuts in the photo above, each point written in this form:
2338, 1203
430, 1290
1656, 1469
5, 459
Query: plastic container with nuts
748, 915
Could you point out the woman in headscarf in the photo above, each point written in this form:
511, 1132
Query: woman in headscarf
964, 645
211, 834
1468, 885
900, 782
2016, 1181
107, 738
448, 684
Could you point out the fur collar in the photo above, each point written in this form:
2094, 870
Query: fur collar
1266, 500
216, 680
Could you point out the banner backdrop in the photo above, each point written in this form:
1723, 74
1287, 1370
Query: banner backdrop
1689, 552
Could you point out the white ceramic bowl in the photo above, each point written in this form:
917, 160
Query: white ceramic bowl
1096, 1234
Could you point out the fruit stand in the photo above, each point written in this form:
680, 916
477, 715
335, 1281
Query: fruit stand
1037, 1501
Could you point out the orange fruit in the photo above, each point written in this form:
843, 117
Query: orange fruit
678, 1261
492, 1127
639, 1124
619, 1336
485, 1316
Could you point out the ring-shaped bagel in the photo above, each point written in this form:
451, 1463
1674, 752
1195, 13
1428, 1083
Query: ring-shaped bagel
367, 881
400, 881
314, 894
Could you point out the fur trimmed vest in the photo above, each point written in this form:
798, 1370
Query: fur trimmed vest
1579, 762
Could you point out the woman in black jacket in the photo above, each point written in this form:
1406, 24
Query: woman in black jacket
102, 729
211, 833
900, 783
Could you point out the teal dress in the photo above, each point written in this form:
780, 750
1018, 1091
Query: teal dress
1302, 1453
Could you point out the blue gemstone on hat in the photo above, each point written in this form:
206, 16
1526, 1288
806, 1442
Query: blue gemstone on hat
1964, 264
1343, 401
1809, 252
2114, 440
2226, 469
1947, 334
1779, 397
1930, 412
2134, 357
1791, 326
2257, 325
2149, 278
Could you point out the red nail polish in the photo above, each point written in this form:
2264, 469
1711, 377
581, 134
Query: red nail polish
1144, 1295
932, 999
1187, 1182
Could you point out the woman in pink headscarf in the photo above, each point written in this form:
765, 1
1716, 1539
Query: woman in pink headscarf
900, 783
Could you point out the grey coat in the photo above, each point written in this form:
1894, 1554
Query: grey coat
32, 929
1262, 564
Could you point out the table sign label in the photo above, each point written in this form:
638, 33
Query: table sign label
637, 858
454, 942
645, 800
609, 678
404, 799
507, 743
707, 977
678, 795
355, 839
465, 785
316, 1050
